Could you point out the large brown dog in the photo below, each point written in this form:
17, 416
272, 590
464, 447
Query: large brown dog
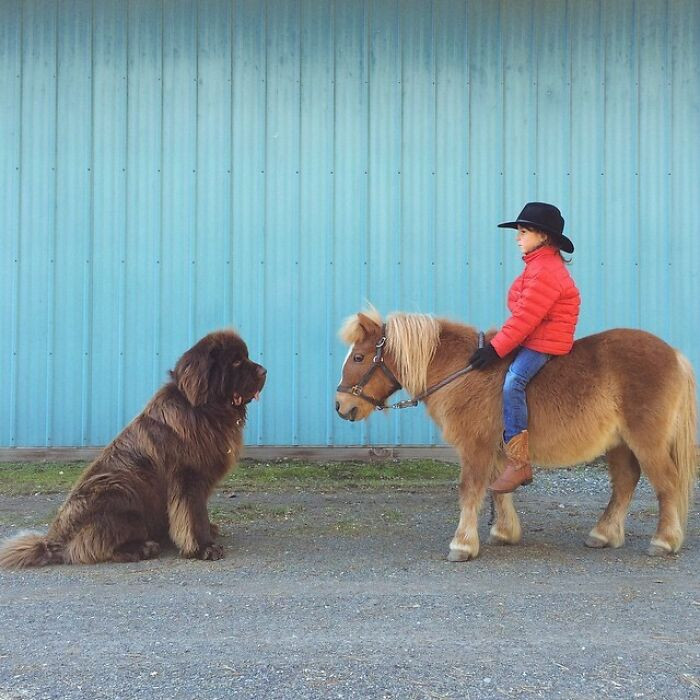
155, 478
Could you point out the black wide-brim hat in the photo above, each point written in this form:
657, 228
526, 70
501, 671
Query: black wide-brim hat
545, 217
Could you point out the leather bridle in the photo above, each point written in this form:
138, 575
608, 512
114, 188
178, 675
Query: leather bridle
378, 362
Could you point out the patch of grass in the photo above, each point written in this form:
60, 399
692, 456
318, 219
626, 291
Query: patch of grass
393, 517
24, 478
347, 528
251, 512
31, 520
286, 473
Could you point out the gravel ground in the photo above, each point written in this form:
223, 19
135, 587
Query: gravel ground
348, 594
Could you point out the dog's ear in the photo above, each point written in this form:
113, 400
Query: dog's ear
191, 374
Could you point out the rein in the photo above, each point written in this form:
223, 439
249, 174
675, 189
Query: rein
378, 361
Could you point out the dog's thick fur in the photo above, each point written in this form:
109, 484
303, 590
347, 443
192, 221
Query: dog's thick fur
623, 393
154, 479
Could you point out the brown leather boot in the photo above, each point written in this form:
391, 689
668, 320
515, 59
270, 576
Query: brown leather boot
518, 470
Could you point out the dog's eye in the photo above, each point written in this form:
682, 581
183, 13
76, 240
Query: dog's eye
358, 357
237, 363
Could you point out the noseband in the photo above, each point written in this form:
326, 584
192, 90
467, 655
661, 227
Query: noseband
378, 362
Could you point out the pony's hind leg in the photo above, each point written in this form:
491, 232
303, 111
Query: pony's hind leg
506, 524
659, 468
624, 471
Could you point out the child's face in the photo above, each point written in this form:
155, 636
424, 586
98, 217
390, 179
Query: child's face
528, 239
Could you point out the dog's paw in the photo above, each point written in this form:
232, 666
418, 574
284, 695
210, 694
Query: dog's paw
211, 552
149, 549
215, 530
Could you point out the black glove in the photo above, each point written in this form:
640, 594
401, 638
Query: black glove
483, 357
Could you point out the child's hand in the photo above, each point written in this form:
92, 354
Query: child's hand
483, 357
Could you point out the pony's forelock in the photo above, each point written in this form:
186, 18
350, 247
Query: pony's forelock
352, 332
412, 339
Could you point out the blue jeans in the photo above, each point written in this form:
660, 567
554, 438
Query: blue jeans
525, 366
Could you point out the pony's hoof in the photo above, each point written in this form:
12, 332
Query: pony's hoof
499, 540
613, 539
596, 542
460, 555
657, 548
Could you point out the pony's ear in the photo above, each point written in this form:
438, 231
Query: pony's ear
367, 324
358, 326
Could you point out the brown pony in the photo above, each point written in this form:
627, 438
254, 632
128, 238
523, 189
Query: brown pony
623, 393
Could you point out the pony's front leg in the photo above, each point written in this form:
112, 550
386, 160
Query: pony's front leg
472, 487
506, 524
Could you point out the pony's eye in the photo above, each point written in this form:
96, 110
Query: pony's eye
237, 363
358, 357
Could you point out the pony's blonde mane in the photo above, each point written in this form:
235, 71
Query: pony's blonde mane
412, 339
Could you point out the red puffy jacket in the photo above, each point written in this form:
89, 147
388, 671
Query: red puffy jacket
544, 304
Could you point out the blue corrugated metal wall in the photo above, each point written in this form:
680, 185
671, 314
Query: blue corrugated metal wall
168, 168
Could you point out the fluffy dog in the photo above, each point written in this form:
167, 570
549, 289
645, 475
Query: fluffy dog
155, 478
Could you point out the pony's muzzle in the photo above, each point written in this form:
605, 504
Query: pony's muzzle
348, 415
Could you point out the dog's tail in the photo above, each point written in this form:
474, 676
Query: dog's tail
30, 549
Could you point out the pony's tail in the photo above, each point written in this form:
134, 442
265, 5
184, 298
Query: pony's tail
30, 549
683, 444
